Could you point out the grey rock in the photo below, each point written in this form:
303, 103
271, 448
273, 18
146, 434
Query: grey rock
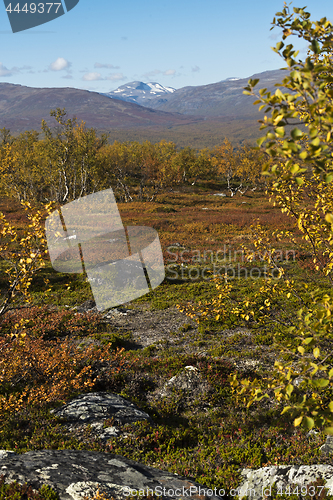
313, 434
188, 381
257, 482
87, 306
101, 406
328, 446
74, 474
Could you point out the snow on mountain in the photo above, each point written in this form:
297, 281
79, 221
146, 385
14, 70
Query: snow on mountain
140, 92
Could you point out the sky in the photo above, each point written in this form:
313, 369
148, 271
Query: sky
102, 44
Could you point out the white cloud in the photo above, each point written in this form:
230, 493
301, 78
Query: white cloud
90, 77
168, 72
116, 77
5, 71
67, 77
195, 69
108, 66
60, 64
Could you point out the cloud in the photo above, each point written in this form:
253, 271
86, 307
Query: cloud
195, 69
108, 66
67, 77
90, 77
116, 77
60, 64
5, 71
94, 76
168, 72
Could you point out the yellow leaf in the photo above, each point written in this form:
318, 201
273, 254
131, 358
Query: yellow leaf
298, 420
316, 352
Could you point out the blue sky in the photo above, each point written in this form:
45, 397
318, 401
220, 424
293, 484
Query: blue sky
102, 44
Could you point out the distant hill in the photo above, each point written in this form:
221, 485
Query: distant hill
23, 108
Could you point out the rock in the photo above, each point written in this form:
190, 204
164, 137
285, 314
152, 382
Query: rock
87, 306
312, 434
74, 474
189, 381
257, 482
101, 405
328, 446
95, 407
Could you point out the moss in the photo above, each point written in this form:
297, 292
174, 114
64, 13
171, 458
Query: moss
16, 491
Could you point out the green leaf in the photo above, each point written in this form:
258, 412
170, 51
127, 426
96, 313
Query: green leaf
289, 389
328, 430
301, 349
308, 422
316, 352
308, 340
315, 46
315, 142
303, 155
328, 178
329, 218
299, 181
321, 382
280, 131
296, 133
294, 169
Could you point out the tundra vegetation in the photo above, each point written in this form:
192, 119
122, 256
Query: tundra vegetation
250, 271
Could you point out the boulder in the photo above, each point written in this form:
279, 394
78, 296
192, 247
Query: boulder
259, 482
75, 474
94, 408
101, 405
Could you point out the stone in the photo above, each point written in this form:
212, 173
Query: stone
188, 380
257, 482
328, 446
101, 405
95, 407
87, 306
74, 474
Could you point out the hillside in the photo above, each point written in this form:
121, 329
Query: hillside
23, 108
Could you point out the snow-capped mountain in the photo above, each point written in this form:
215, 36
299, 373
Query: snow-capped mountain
140, 92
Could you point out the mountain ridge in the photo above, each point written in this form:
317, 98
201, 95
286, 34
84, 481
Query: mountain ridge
199, 116
220, 99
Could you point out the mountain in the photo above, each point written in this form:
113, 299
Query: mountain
23, 108
199, 117
223, 99
141, 93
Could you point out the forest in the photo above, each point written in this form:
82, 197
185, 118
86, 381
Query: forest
71, 161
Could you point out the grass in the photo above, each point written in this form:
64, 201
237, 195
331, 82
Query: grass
208, 435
